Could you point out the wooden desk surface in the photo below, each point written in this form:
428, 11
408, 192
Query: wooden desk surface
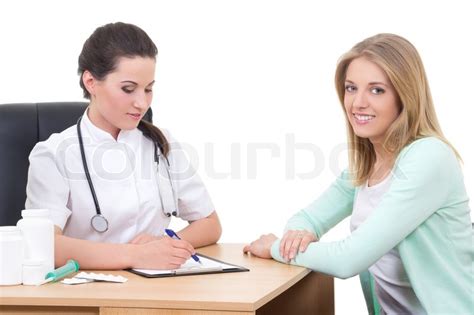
241, 291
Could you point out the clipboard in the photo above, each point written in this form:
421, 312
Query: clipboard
211, 266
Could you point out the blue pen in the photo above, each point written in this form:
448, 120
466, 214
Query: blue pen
172, 234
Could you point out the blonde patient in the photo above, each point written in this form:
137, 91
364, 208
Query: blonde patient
410, 223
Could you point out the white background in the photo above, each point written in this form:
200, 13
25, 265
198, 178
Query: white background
233, 76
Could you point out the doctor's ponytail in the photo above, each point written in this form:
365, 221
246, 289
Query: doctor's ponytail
101, 52
156, 135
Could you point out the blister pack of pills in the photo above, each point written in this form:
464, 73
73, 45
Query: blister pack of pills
86, 277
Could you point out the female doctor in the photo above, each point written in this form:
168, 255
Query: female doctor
113, 181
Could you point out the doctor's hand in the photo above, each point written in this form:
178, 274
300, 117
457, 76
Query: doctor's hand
261, 247
295, 241
144, 238
164, 253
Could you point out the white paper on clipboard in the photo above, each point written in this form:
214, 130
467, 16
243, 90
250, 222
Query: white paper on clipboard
190, 266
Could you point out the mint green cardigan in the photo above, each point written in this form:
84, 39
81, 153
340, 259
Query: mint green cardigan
425, 215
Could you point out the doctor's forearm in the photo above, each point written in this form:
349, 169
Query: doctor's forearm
92, 255
202, 232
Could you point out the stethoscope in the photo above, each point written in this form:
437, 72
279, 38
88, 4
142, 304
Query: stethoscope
98, 222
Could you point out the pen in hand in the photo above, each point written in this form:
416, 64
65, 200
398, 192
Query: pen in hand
172, 234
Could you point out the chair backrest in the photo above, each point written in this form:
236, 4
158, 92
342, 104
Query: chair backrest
21, 127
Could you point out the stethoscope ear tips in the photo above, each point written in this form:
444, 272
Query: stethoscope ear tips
175, 213
168, 214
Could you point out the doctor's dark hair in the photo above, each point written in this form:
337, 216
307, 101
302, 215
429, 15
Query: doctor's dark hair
101, 52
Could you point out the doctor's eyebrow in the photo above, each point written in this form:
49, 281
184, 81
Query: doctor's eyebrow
133, 82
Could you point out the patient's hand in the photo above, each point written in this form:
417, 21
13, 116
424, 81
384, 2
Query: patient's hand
144, 238
261, 247
295, 241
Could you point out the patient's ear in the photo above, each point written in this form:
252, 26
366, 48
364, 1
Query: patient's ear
89, 82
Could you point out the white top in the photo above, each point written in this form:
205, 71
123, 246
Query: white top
125, 178
392, 286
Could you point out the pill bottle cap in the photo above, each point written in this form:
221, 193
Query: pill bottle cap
35, 213
7, 232
9, 229
33, 263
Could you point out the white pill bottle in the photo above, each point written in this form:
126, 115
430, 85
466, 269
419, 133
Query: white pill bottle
11, 255
38, 236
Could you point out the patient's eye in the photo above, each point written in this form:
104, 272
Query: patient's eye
350, 88
377, 90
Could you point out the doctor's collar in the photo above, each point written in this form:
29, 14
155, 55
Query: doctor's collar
100, 135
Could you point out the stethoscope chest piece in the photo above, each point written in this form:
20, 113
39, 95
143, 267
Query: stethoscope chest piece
99, 223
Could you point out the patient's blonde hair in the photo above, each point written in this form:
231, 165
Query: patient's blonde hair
417, 119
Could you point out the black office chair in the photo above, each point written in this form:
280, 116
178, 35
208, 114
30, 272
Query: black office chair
21, 127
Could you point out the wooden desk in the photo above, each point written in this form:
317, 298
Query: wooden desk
269, 288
